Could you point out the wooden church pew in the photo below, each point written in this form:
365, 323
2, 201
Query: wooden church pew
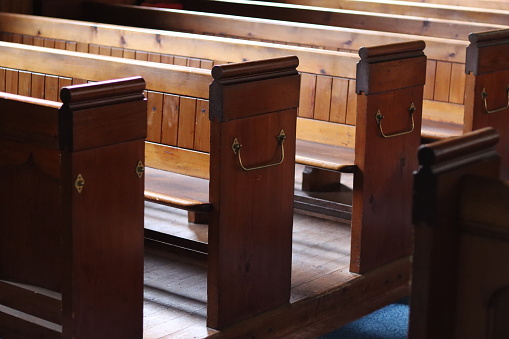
464, 89
460, 281
319, 68
450, 29
159, 158
71, 216
316, 100
275, 106
444, 90
421, 9
318, 138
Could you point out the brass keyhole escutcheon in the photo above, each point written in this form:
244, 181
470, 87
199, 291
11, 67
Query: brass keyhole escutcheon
79, 183
140, 169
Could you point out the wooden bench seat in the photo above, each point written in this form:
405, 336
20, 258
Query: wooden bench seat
461, 228
333, 158
188, 193
69, 192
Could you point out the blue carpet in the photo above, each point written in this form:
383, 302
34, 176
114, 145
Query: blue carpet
390, 322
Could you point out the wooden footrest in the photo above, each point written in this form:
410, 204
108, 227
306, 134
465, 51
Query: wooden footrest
28, 311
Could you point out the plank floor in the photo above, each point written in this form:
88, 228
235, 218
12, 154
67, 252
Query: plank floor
325, 295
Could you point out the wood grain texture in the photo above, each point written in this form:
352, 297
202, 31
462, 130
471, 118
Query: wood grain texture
249, 266
337, 17
488, 71
383, 183
437, 241
73, 247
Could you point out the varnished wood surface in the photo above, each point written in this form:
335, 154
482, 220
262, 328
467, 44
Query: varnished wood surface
438, 11
437, 184
77, 241
337, 17
488, 71
391, 79
494, 4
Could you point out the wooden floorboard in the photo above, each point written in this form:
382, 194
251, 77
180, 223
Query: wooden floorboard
325, 295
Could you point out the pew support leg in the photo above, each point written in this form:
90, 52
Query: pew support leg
320, 180
198, 217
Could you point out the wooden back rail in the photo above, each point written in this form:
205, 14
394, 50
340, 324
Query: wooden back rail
390, 85
71, 216
449, 29
444, 90
487, 88
328, 86
491, 4
461, 230
420, 9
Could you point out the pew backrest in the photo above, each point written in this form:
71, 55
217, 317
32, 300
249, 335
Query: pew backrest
177, 97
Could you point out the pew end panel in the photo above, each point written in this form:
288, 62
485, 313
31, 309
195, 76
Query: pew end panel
483, 303
253, 125
444, 166
390, 80
487, 87
73, 190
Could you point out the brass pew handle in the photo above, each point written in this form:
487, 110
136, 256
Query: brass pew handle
379, 118
484, 95
236, 146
